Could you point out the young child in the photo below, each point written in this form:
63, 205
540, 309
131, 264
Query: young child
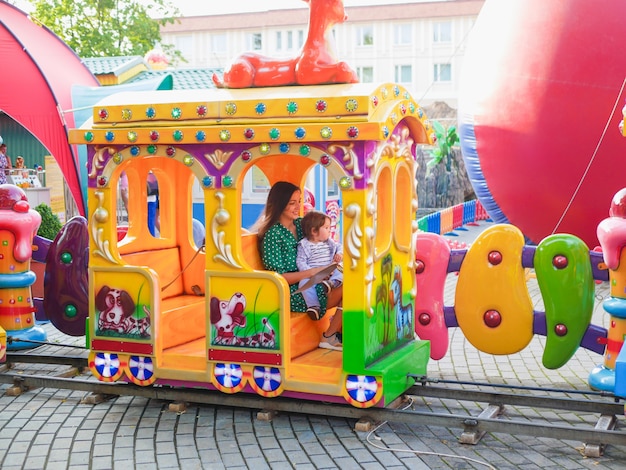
317, 250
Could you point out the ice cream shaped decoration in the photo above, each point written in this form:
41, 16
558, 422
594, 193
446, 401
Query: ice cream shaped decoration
612, 236
18, 226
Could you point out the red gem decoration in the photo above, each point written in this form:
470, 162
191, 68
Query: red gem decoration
321, 106
375, 100
21, 206
29, 320
559, 262
103, 114
201, 110
246, 156
154, 136
495, 257
324, 160
403, 109
353, 132
492, 318
248, 133
419, 266
560, 329
170, 151
424, 319
102, 181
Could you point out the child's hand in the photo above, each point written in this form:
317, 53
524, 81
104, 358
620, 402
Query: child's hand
338, 257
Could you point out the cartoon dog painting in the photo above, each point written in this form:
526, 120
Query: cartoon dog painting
404, 313
226, 315
116, 308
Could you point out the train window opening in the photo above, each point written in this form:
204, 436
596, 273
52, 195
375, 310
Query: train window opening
153, 205
402, 206
383, 216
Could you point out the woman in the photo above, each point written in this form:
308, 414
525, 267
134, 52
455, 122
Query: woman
279, 233
5, 163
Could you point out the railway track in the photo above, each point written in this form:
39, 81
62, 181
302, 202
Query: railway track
411, 410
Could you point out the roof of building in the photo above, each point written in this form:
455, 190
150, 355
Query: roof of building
182, 79
277, 18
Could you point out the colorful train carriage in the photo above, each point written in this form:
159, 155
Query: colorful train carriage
164, 310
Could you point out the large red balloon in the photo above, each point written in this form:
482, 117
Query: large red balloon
540, 103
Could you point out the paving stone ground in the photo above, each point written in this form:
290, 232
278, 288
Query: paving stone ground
53, 429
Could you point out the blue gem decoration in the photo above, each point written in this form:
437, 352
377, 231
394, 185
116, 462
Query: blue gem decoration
300, 133
260, 108
207, 181
284, 147
200, 136
134, 150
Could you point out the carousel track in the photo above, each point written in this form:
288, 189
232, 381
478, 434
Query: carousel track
405, 410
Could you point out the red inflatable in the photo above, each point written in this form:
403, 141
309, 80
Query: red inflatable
540, 103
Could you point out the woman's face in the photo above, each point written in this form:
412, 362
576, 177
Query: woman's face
292, 210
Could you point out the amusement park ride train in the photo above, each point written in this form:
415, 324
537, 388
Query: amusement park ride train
157, 308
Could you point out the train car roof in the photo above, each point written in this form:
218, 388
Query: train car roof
164, 112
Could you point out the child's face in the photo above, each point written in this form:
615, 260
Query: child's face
323, 233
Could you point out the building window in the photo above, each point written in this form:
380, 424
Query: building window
254, 41
279, 40
442, 31
404, 73
365, 36
218, 43
289, 40
442, 72
185, 45
402, 34
366, 74
300, 38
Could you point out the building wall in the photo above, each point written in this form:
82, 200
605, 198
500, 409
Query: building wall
212, 41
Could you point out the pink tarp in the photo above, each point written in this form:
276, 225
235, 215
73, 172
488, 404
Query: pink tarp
38, 72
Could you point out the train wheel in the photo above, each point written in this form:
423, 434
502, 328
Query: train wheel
267, 381
106, 367
228, 378
140, 370
362, 391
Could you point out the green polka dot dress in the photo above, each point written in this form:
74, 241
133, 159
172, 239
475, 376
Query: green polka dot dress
279, 250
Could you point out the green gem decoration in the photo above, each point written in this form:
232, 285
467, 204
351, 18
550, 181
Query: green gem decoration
225, 135
132, 136
274, 133
385, 93
292, 107
5, 242
345, 182
227, 181
177, 113
152, 149
178, 135
264, 148
127, 114
88, 136
117, 158
352, 105
231, 108
305, 150
66, 257
70, 311
188, 160
326, 132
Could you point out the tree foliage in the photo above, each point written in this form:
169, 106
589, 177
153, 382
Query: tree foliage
105, 28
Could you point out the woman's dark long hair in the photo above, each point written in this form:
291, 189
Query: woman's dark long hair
277, 201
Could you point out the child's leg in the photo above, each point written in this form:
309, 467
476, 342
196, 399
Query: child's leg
310, 296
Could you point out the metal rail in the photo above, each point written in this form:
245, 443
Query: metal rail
480, 424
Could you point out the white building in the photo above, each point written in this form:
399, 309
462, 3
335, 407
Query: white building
418, 44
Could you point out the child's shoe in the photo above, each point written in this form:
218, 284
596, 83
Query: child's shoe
314, 313
327, 286
331, 342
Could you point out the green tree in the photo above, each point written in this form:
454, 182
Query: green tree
106, 28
